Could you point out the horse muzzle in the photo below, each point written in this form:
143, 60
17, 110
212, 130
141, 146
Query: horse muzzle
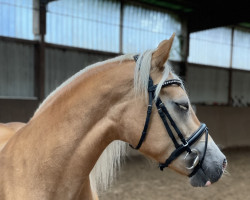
214, 165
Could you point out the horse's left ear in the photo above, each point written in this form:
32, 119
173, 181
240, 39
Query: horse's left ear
161, 54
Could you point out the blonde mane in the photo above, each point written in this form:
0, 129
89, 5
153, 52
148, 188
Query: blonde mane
107, 165
84, 70
105, 169
110, 160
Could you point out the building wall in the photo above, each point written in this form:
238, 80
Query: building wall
227, 125
16, 69
241, 88
211, 85
207, 84
63, 63
19, 110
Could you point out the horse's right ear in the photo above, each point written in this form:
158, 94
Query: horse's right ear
161, 54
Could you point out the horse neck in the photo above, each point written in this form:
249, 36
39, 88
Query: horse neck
66, 137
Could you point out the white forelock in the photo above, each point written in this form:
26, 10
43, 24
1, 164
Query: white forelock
142, 72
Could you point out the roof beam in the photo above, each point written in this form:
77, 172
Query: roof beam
212, 17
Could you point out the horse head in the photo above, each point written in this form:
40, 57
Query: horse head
172, 134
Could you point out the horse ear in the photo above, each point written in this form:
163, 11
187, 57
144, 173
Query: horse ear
161, 54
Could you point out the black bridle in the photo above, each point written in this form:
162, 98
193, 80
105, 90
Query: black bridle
164, 114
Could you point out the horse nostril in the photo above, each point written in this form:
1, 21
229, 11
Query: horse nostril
224, 164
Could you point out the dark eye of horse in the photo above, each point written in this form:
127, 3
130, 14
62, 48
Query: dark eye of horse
184, 106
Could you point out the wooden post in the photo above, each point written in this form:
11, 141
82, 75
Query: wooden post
39, 30
121, 27
184, 41
230, 72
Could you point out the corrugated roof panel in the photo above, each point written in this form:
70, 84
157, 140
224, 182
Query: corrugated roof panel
145, 29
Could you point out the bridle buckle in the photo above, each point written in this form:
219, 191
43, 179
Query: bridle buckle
186, 144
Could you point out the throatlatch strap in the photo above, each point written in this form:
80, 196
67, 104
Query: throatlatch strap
144, 132
149, 111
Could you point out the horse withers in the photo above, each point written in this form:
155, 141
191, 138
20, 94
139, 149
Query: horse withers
78, 135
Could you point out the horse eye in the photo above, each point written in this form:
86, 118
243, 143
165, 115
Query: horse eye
183, 106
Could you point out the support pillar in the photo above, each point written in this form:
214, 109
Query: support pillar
184, 42
39, 30
230, 72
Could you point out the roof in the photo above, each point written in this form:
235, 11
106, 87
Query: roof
206, 14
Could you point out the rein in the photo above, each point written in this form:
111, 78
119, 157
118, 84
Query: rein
164, 114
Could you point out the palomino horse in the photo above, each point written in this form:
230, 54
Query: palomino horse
7, 131
71, 146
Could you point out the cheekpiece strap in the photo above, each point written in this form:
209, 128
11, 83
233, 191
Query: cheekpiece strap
149, 111
161, 106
